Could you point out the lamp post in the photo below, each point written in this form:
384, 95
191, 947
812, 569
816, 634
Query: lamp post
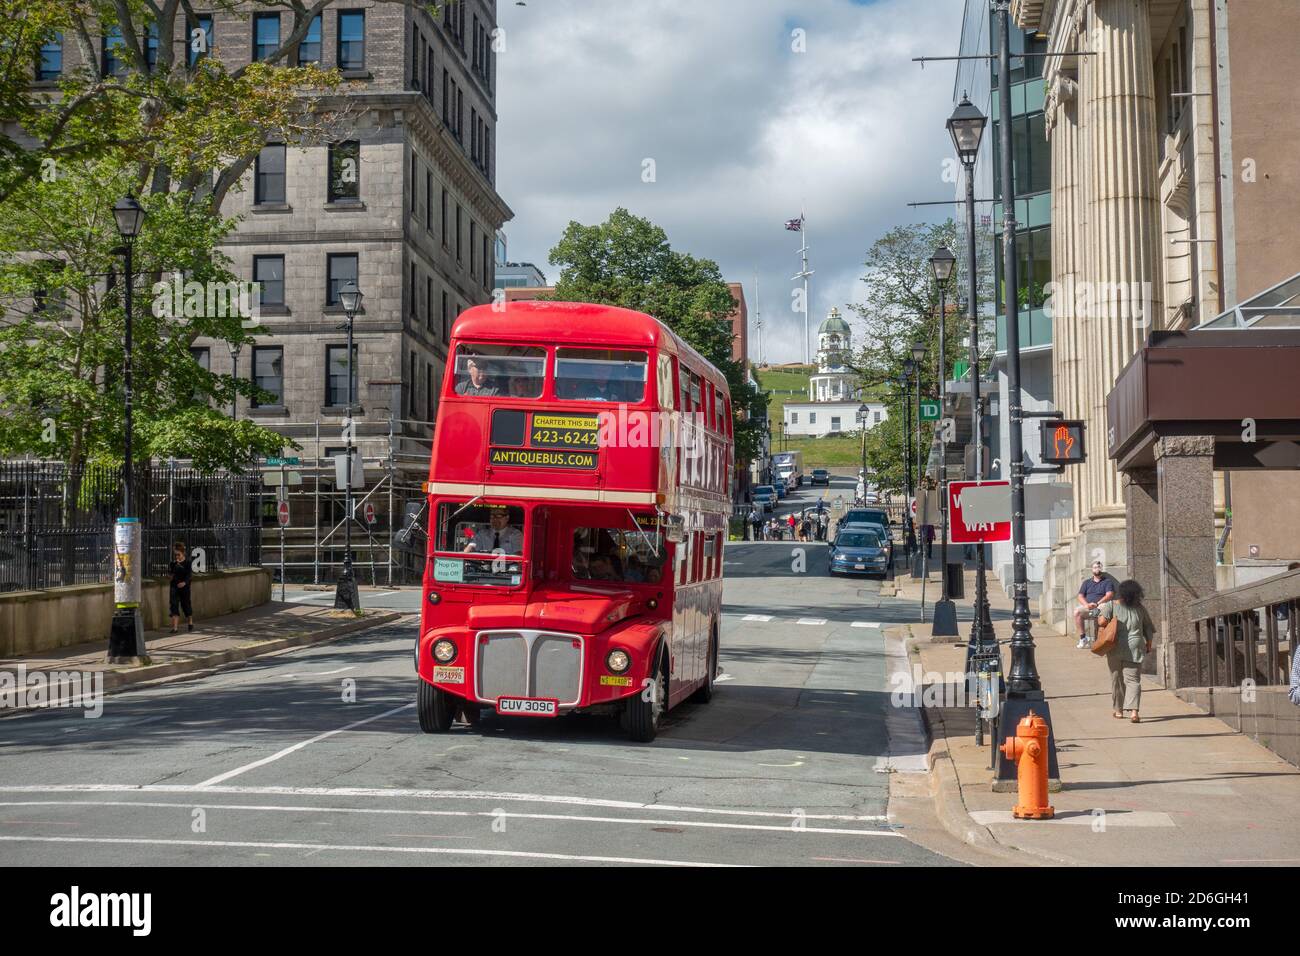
904, 381
918, 358
235, 348
942, 264
345, 592
864, 413
966, 127
126, 638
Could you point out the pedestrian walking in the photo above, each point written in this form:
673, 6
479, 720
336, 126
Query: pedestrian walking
790, 520
805, 527
756, 522
1133, 636
178, 592
823, 523
929, 541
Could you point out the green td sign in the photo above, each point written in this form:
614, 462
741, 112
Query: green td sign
930, 410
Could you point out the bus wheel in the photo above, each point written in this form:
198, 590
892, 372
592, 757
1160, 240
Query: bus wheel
643, 716
705, 692
436, 708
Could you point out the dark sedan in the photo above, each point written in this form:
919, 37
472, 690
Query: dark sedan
820, 476
859, 552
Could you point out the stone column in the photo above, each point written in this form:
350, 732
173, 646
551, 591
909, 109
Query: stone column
1142, 541
1185, 491
1122, 265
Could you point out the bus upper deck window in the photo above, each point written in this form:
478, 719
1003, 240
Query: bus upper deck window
600, 375
506, 371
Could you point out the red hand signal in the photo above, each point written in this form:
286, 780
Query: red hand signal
1062, 434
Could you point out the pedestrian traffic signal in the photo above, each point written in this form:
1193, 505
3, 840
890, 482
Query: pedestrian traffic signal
1062, 441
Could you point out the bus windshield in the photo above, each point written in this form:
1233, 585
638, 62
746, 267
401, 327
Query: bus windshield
479, 544
600, 375
613, 554
510, 371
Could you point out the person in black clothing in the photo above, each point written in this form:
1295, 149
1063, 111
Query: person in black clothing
178, 593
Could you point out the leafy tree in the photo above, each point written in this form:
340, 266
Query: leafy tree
627, 261
62, 341
901, 307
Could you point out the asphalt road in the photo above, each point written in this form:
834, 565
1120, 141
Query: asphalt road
315, 758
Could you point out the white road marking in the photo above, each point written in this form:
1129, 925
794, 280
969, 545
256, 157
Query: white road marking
904, 728
764, 618
317, 847
1113, 818
815, 621
721, 677
223, 777
866, 624
204, 788
493, 814
338, 670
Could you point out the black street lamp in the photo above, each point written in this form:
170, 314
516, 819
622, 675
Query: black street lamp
235, 348
864, 411
918, 358
943, 263
345, 592
904, 381
127, 633
966, 126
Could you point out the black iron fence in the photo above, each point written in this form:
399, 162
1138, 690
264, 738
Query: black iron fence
56, 522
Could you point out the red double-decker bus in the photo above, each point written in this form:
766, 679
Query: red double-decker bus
578, 498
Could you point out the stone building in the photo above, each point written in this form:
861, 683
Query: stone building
1174, 198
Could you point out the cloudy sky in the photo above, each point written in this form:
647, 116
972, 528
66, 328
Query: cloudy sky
743, 129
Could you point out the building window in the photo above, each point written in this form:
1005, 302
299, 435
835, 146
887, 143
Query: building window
413, 398
269, 175
428, 303
487, 272
875, 417
268, 272
342, 269
415, 184
415, 293
444, 218
446, 316
835, 423
352, 40
458, 232
50, 66
446, 97
268, 374
812, 418
266, 35
417, 41
345, 171
151, 47
429, 392
428, 201
202, 356
113, 64
794, 418
336, 375
199, 46
473, 248
309, 45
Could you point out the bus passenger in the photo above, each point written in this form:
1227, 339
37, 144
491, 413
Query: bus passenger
477, 382
499, 536
602, 568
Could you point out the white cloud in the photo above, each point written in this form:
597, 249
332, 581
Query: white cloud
742, 130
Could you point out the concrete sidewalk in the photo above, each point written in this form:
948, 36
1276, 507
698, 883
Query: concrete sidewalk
1180, 788
224, 640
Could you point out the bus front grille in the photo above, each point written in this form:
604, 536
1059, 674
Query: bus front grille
529, 663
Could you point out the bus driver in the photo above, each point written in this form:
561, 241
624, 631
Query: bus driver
500, 536
477, 383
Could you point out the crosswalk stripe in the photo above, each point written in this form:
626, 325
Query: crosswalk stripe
866, 624
811, 620
757, 617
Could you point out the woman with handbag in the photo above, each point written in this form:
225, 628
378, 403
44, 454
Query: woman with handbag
1125, 636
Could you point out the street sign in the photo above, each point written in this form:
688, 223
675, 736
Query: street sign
368, 512
282, 513
341, 470
276, 462
273, 478
1062, 441
979, 511
930, 409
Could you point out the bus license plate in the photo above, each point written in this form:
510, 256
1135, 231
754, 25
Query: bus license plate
528, 706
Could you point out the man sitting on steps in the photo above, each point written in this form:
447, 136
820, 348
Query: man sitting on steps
1095, 590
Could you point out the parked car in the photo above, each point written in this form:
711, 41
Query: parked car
765, 497
782, 489
858, 552
820, 476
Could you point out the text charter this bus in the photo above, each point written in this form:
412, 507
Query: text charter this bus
578, 500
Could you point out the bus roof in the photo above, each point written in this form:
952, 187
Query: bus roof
576, 324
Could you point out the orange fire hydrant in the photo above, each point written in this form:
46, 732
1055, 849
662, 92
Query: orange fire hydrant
1028, 748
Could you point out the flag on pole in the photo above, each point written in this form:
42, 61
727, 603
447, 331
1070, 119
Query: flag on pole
795, 225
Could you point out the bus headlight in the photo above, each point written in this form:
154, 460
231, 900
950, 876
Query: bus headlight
444, 651
617, 661
433, 597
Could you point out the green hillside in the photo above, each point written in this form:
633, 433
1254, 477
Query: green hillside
790, 384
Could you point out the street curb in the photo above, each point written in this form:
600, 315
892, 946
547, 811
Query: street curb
950, 805
153, 674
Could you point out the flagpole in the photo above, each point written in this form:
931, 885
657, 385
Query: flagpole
803, 274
